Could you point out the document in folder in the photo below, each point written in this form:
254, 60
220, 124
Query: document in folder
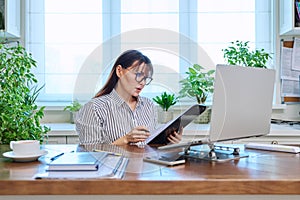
160, 135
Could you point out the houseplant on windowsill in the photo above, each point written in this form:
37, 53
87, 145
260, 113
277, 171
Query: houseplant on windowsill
198, 85
239, 53
19, 115
73, 108
165, 101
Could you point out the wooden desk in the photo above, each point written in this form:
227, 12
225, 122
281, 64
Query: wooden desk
262, 172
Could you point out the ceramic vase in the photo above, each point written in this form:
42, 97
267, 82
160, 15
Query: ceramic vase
165, 116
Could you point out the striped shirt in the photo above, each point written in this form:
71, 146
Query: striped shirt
107, 118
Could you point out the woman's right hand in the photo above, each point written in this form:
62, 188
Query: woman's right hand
138, 134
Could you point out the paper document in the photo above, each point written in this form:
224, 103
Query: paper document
290, 70
286, 63
296, 55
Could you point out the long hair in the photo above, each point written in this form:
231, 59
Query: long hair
126, 59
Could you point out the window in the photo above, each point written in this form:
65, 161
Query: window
76, 42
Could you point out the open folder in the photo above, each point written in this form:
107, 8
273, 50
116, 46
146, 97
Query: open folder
160, 135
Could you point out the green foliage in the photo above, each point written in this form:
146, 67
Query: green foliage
19, 115
198, 84
165, 101
73, 107
239, 53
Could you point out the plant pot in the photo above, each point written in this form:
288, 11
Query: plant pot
204, 118
73, 116
165, 116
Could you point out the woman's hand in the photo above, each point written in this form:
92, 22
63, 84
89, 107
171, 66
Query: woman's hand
175, 137
138, 134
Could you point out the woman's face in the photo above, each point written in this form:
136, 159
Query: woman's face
134, 78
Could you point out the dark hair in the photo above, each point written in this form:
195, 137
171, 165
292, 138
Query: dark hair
126, 59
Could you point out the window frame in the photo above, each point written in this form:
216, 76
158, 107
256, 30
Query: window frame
185, 28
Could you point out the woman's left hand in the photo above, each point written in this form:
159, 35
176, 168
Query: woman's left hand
175, 137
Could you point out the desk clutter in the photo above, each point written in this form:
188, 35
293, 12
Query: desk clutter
111, 162
103, 165
262, 173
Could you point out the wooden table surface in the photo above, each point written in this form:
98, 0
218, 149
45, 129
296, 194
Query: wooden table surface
263, 172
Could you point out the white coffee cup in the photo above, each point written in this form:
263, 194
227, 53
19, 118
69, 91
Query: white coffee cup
25, 147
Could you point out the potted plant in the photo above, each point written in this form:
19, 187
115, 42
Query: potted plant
239, 53
165, 101
198, 85
73, 108
19, 115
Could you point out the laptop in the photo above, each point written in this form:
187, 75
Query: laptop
242, 104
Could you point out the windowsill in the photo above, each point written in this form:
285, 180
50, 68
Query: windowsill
53, 106
61, 129
58, 106
54, 111
68, 129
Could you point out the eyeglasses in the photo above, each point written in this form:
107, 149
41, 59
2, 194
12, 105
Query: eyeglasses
140, 76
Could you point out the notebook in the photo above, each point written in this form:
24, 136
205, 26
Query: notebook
77, 161
160, 135
110, 167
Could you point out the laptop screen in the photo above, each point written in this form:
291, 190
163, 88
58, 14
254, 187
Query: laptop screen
242, 102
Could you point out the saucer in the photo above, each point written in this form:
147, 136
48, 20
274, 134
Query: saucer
24, 158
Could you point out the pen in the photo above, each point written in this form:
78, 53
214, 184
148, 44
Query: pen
111, 153
118, 165
57, 156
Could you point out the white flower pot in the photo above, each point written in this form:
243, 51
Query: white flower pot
204, 118
73, 116
165, 116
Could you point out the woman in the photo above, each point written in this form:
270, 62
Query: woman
118, 114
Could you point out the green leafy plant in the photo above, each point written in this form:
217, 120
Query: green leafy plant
74, 106
198, 84
165, 100
239, 53
19, 115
